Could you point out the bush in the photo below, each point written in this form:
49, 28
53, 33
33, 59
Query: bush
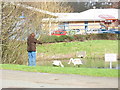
53, 39
71, 38
14, 52
48, 39
118, 36
80, 37
107, 36
62, 38
65, 38
103, 36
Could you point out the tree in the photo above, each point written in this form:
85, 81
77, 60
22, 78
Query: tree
116, 5
15, 30
82, 6
78, 6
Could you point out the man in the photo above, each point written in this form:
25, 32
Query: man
31, 48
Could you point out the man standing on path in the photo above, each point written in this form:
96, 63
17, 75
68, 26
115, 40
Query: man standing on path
31, 48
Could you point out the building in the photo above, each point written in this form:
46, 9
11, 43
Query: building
89, 20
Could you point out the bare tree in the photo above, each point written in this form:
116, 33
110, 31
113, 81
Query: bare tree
16, 29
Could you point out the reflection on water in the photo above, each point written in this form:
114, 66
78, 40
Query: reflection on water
106, 67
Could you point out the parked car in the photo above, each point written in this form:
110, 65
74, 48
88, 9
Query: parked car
59, 32
115, 31
105, 31
92, 31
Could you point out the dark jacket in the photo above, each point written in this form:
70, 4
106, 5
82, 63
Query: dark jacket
31, 44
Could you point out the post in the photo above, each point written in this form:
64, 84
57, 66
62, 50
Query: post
1, 42
50, 28
94, 18
110, 64
0, 32
110, 57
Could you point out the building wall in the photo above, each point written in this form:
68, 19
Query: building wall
81, 25
77, 25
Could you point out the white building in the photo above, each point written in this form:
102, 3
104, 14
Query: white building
86, 20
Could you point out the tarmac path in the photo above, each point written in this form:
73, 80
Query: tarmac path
21, 79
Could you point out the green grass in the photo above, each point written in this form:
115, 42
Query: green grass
65, 70
93, 46
95, 50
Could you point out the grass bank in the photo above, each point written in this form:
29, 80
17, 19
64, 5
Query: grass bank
65, 70
92, 46
95, 51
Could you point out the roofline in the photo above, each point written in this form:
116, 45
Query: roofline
69, 20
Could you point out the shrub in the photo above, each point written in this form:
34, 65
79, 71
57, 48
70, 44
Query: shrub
53, 39
65, 38
80, 37
106, 36
62, 38
103, 36
118, 36
71, 38
48, 39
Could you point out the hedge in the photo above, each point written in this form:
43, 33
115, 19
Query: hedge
66, 38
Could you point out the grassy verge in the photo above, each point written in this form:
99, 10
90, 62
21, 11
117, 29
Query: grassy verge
65, 70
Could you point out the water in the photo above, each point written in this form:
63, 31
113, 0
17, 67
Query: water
106, 67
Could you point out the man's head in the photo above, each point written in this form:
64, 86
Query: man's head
32, 35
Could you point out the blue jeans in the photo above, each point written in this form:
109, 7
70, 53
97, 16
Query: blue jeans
31, 58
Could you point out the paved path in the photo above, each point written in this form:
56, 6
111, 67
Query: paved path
21, 79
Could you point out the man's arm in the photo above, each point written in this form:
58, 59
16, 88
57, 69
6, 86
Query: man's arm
37, 41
